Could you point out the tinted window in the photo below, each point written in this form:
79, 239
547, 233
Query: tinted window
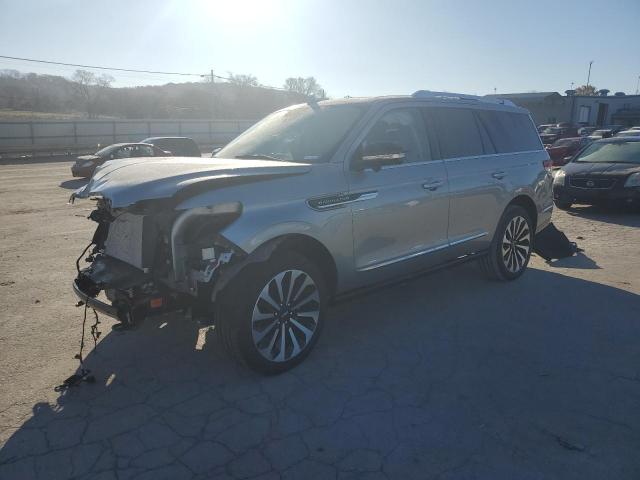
457, 132
510, 132
403, 127
145, 151
124, 152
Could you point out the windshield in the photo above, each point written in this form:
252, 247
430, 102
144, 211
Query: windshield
620, 152
303, 133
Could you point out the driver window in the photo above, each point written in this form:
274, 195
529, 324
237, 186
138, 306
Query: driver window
404, 127
124, 152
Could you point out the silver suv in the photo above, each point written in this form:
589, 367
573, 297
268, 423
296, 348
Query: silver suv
314, 201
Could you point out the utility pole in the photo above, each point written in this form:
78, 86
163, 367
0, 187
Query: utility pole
213, 94
589, 74
212, 80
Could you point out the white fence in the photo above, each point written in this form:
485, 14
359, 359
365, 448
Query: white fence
89, 133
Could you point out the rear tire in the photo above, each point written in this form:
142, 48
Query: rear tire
272, 313
511, 246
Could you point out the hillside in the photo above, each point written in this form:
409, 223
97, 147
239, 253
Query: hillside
32, 96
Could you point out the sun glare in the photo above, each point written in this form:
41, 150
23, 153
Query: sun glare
238, 12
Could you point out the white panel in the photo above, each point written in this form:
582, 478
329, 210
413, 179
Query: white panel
125, 239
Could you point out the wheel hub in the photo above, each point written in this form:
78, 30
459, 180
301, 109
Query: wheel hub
516, 244
285, 315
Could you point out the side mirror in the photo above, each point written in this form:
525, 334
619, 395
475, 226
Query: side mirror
377, 155
215, 150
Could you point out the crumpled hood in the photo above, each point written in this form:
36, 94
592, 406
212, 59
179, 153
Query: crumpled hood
125, 182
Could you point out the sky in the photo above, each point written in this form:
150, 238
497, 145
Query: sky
357, 48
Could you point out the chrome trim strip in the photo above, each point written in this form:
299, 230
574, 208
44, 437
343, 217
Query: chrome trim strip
370, 195
468, 239
454, 159
422, 252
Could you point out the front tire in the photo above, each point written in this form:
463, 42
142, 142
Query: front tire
511, 246
273, 312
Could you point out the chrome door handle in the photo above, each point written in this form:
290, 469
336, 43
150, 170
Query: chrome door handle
433, 185
499, 175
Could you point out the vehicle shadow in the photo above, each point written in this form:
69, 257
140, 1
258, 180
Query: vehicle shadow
621, 215
74, 183
579, 261
446, 367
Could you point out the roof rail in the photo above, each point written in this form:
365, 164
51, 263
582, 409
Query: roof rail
460, 96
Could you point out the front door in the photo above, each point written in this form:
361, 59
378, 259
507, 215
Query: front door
402, 214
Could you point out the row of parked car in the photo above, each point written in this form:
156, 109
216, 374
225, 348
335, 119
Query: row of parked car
563, 141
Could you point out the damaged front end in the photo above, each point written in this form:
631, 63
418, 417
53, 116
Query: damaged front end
150, 258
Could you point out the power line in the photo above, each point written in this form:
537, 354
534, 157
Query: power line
206, 75
102, 68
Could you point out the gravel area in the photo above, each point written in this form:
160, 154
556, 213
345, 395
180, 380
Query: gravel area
445, 376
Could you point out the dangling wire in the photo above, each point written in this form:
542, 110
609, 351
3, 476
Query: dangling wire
84, 375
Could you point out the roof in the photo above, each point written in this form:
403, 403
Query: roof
525, 96
431, 97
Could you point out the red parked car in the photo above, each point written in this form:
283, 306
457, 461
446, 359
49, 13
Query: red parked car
551, 134
562, 150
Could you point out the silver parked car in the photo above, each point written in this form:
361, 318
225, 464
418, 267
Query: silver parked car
314, 201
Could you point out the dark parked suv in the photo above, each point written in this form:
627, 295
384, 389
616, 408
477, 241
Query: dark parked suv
178, 146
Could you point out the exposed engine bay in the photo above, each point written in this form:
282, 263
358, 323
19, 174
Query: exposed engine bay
151, 260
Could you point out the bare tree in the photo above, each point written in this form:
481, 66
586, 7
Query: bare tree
90, 88
243, 80
305, 86
588, 90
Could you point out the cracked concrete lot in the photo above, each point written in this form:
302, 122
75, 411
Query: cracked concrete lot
446, 376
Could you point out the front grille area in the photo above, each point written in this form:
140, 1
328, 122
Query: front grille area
592, 182
124, 241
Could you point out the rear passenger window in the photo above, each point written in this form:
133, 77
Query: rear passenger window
457, 132
510, 132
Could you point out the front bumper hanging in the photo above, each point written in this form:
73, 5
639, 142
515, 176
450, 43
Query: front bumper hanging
94, 303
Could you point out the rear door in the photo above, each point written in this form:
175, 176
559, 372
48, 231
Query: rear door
401, 211
476, 196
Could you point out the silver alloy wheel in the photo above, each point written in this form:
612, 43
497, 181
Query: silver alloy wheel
285, 316
516, 244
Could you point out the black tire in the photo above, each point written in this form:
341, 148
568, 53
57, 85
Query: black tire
562, 204
498, 265
244, 299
